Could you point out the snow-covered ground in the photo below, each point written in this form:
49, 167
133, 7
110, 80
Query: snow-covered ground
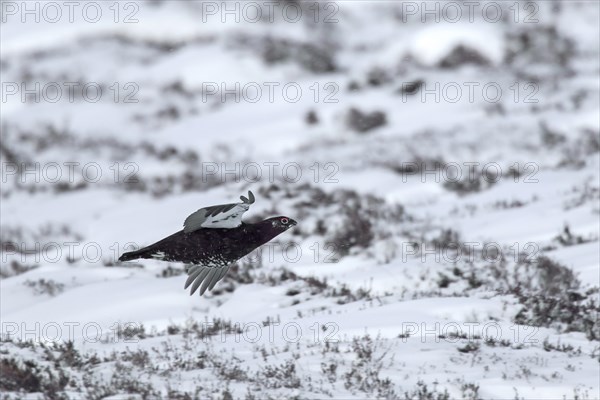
442, 160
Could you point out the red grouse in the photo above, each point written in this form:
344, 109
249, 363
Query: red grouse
212, 239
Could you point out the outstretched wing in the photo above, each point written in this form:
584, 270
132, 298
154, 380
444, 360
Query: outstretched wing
205, 276
221, 216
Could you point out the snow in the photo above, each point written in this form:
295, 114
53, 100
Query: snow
432, 44
417, 311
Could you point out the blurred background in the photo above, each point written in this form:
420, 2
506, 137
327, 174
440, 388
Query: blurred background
441, 158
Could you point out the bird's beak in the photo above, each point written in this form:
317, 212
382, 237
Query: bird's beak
293, 223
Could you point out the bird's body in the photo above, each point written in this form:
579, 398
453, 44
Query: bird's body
208, 246
213, 238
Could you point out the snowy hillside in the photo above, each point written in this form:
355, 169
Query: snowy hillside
442, 161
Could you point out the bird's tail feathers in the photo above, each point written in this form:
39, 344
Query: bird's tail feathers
134, 255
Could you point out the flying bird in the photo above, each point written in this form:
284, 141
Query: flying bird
211, 240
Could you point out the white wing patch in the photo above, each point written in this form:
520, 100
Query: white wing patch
159, 255
221, 216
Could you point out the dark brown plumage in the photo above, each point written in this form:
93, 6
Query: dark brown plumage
210, 245
213, 250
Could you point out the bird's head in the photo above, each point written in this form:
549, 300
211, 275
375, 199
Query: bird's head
281, 224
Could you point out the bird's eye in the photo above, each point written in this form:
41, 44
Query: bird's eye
284, 221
